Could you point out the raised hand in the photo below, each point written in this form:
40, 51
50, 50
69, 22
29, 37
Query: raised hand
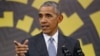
21, 49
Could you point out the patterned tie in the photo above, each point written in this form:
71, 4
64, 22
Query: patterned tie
51, 48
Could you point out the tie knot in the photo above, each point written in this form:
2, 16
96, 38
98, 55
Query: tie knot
51, 39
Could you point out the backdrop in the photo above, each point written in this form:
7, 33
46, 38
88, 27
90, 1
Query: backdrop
19, 20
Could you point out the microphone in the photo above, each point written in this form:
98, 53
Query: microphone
65, 51
79, 52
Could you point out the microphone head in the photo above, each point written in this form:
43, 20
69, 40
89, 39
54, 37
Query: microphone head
65, 51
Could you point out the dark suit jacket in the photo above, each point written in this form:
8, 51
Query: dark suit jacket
37, 46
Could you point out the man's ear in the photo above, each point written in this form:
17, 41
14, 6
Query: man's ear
60, 18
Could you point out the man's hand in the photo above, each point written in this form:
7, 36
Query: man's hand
21, 49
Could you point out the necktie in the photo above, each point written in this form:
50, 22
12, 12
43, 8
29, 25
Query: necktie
51, 48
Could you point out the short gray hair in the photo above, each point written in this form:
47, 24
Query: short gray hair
53, 4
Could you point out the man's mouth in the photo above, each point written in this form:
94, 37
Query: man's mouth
44, 26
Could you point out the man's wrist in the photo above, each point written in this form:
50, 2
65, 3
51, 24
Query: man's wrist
20, 55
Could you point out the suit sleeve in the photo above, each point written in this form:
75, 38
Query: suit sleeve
27, 54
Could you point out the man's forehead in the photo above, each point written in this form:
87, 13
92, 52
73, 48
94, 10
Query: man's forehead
47, 9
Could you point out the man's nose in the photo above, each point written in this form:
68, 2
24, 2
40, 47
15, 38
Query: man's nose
43, 19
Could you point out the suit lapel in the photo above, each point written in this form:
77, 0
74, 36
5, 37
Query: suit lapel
60, 44
42, 46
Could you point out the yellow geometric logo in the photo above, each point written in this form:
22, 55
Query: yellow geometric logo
7, 20
70, 24
85, 3
87, 49
95, 17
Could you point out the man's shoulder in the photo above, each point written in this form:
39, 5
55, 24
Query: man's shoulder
70, 39
37, 36
67, 38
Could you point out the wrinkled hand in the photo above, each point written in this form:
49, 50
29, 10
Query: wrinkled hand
21, 49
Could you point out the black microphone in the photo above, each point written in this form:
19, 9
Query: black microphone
65, 51
79, 52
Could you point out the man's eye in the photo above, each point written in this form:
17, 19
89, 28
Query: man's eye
48, 15
40, 16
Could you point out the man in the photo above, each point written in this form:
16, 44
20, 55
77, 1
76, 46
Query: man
41, 45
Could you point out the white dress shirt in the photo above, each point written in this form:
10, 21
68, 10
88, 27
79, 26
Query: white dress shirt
55, 37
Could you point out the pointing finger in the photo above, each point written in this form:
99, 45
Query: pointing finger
17, 43
25, 42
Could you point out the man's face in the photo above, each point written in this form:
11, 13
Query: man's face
48, 20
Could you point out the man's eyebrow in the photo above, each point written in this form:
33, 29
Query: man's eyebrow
48, 14
39, 14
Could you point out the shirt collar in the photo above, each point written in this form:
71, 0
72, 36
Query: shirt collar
55, 36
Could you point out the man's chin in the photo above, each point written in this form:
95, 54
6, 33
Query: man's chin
45, 32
